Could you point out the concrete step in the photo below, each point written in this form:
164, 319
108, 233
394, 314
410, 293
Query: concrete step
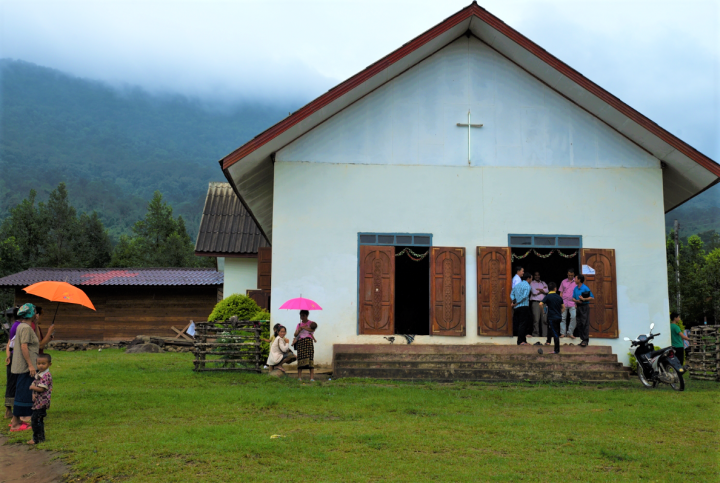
450, 358
403, 348
517, 366
481, 374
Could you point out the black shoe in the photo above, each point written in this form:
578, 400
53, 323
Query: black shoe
537, 343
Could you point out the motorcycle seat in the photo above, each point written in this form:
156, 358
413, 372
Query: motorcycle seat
656, 353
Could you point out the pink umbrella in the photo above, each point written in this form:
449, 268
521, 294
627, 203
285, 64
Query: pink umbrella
300, 304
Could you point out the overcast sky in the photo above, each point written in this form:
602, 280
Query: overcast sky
661, 57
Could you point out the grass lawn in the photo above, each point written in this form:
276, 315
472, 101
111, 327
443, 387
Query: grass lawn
148, 417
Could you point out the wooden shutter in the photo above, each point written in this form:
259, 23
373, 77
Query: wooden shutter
377, 290
494, 282
603, 310
264, 268
447, 291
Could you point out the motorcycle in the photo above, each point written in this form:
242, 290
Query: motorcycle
656, 366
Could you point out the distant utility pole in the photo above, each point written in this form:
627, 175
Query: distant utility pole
677, 263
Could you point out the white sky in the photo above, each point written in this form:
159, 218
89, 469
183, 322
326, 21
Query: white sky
661, 57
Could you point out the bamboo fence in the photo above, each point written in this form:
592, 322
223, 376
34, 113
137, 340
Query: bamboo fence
233, 345
704, 359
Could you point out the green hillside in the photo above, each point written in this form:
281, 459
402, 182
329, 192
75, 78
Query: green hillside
113, 147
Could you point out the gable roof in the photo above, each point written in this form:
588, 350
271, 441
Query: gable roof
115, 276
226, 228
687, 172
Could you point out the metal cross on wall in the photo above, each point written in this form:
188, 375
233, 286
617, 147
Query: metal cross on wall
469, 125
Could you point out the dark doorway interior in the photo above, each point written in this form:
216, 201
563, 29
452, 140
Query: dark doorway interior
552, 269
412, 293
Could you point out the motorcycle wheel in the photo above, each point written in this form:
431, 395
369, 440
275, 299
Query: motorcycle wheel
680, 384
643, 379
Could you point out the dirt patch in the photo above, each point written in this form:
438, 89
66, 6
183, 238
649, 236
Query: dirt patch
21, 462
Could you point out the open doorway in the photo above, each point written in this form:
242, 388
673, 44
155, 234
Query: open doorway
412, 291
551, 263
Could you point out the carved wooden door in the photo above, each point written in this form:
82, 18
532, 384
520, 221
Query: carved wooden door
377, 290
447, 291
493, 296
264, 268
603, 310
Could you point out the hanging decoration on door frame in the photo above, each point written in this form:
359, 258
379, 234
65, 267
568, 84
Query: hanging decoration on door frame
412, 255
564, 255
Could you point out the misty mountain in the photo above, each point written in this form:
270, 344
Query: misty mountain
114, 147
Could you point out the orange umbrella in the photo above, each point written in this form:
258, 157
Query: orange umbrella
60, 292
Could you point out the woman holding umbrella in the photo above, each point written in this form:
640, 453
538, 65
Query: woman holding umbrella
304, 345
27, 347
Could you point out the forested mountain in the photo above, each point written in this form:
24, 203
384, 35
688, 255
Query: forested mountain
114, 147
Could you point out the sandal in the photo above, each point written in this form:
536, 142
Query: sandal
22, 427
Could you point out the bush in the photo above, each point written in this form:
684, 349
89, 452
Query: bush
241, 306
264, 317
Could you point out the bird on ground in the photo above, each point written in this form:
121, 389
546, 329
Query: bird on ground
409, 338
391, 339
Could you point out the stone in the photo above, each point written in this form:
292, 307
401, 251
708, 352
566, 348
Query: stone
70, 349
147, 348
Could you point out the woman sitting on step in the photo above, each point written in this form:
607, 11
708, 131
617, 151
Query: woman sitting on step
280, 352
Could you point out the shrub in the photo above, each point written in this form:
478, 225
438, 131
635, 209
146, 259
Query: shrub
264, 317
241, 306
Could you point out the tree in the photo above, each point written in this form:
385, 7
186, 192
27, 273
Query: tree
61, 224
712, 277
92, 245
159, 241
26, 226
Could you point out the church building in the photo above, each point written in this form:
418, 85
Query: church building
402, 199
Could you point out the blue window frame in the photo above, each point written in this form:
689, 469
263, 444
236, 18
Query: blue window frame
395, 239
545, 241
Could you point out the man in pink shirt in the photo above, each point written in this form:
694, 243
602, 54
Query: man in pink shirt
538, 291
566, 292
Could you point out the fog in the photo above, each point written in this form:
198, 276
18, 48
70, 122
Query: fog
662, 58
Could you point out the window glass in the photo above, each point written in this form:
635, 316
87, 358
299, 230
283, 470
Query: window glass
548, 241
521, 240
386, 239
367, 238
404, 240
422, 240
569, 241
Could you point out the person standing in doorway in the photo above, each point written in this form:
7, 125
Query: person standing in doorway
677, 338
519, 272
538, 291
522, 317
567, 287
555, 309
582, 297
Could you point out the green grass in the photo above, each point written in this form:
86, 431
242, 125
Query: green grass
148, 417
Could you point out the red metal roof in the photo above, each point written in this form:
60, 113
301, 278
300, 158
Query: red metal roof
115, 276
469, 11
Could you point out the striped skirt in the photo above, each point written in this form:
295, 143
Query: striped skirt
305, 353
23, 395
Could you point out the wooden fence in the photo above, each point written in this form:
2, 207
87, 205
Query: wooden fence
233, 345
704, 357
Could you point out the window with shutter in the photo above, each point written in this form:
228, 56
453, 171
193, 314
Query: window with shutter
603, 284
377, 289
447, 291
494, 278
264, 270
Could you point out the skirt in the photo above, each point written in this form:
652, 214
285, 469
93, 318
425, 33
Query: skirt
305, 353
23, 395
10, 387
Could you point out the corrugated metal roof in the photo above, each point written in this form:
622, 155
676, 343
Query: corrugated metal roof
115, 276
226, 226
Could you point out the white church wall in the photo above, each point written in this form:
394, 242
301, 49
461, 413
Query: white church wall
412, 120
319, 208
240, 275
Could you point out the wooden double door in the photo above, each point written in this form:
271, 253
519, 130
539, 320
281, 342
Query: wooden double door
494, 279
377, 290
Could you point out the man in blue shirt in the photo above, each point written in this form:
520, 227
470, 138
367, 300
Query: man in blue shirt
582, 297
522, 317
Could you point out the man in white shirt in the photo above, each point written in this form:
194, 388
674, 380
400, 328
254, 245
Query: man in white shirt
538, 291
519, 272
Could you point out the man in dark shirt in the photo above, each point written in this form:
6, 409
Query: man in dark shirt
555, 309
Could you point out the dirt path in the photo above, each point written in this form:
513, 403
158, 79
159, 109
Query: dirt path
20, 462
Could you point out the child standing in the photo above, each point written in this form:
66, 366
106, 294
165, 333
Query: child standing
555, 309
42, 390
